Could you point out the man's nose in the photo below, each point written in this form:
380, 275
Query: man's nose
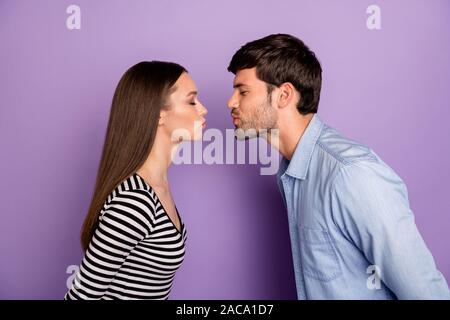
232, 102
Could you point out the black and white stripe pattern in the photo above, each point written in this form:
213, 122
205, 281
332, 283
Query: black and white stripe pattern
135, 251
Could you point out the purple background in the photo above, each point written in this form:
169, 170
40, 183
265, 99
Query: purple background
387, 88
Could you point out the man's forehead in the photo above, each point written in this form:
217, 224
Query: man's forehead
245, 77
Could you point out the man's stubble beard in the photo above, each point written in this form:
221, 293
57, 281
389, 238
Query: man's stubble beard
263, 120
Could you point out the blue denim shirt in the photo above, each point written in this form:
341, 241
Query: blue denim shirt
352, 231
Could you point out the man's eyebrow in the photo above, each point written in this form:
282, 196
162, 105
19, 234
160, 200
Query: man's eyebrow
239, 84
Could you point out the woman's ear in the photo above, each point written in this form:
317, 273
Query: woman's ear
162, 117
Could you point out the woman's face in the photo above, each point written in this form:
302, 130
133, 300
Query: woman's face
184, 119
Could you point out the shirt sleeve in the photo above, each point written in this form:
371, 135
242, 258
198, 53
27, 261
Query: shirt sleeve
126, 221
370, 206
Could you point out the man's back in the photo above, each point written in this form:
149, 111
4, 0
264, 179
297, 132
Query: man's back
352, 231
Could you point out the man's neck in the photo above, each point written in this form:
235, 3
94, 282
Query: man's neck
291, 129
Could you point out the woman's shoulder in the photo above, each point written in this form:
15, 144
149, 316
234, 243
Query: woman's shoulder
135, 193
134, 184
132, 201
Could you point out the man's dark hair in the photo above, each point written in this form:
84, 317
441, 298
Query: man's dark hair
281, 58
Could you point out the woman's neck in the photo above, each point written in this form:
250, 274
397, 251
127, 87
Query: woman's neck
155, 168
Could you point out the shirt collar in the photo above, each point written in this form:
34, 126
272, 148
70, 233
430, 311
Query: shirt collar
299, 164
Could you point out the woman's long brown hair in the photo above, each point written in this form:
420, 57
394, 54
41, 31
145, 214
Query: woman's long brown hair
139, 97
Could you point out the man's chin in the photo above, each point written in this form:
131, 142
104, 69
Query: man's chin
245, 134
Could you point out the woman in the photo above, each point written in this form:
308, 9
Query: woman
133, 236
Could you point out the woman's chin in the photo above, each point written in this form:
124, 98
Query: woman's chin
198, 136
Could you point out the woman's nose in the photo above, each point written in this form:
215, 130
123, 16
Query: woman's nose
203, 110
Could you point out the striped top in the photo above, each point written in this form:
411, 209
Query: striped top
135, 250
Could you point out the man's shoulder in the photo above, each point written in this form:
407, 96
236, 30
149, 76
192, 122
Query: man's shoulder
352, 157
333, 146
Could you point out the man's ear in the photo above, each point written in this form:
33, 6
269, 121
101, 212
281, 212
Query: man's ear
287, 94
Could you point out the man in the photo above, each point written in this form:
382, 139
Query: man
352, 232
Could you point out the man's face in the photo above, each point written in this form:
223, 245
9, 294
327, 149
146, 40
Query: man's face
250, 104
